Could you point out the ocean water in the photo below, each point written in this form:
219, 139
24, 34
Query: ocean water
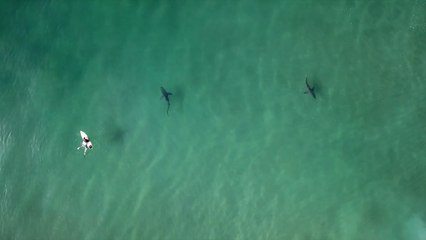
243, 153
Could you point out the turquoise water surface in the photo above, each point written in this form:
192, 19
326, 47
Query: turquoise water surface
243, 153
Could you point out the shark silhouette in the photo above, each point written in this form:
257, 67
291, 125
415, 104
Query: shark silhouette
311, 90
166, 95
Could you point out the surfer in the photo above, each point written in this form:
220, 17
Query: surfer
87, 144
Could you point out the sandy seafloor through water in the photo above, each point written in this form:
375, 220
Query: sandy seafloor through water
243, 153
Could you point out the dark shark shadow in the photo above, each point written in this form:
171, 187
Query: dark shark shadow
115, 133
315, 85
178, 97
118, 135
318, 87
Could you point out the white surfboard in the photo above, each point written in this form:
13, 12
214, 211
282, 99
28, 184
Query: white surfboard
83, 135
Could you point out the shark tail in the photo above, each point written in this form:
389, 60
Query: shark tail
168, 107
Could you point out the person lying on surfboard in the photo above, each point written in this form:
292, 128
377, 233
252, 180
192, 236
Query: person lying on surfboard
87, 144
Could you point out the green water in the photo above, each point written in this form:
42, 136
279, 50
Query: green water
243, 153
